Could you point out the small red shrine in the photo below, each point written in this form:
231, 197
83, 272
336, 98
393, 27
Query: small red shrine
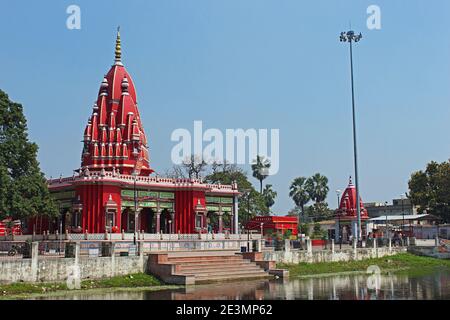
273, 225
346, 215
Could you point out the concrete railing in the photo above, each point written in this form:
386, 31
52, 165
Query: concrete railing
142, 180
332, 254
130, 236
38, 269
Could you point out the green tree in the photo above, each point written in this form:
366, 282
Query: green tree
260, 168
304, 229
23, 187
317, 188
269, 196
251, 202
319, 212
430, 189
299, 194
287, 234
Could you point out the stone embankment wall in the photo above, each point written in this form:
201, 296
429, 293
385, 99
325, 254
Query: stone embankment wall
62, 269
289, 256
439, 252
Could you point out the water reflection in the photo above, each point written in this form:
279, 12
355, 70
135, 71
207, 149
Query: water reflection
345, 287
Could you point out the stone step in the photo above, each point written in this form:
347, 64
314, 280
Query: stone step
218, 269
223, 278
209, 253
229, 273
210, 262
205, 258
211, 267
215, 265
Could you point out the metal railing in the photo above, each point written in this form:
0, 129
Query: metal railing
52, 249
326, 245
48, 249
13, 250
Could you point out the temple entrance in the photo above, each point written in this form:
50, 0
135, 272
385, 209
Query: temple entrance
127, 220
212, 222
61, 222
148, 220
165, 221
226, 223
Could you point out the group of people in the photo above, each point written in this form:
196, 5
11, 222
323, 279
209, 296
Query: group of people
397, 237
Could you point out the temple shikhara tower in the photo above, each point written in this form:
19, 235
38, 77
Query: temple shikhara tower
114, 190
114, 138
346, 216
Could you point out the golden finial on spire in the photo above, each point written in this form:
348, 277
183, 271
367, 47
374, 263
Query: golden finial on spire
118, 51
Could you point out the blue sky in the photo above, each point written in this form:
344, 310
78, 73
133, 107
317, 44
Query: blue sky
244, 64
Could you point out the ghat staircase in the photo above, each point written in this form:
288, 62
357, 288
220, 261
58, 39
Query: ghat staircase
208, 266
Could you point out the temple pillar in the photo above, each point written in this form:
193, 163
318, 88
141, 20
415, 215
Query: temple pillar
137, 220
171, 225
232, 230
220, 215
158, 221
236, 214
337, 231
354, 229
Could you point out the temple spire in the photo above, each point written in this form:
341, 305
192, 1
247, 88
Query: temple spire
118, 52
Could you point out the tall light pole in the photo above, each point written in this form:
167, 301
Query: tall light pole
338, 193
135, 174
403, 214
351, 37
385, 211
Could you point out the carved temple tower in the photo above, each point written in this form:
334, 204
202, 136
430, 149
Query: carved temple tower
346, 215
114, 190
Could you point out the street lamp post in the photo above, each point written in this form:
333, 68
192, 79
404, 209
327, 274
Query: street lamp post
135, 173
351, 37
437, 235
60, 235
248, 220
403, 214
338, 193
135, 205
385, 211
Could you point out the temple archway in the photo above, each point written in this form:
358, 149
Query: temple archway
212, 221
127, 220
148, 220
226, 222
165, 218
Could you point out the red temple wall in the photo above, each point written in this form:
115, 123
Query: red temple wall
185, 203
94, 198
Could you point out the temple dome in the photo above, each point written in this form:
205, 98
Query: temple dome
116, 123
347, 205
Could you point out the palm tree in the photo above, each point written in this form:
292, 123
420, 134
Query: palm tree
269, 196
260, 168
317, 188
299, 194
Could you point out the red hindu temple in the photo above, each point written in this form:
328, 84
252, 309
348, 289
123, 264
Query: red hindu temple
114, 189
346, 215
274, 225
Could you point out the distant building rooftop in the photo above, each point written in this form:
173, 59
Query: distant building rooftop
406, 217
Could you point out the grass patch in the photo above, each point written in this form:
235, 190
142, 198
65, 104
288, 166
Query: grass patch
140, 280
404, 262
23, 288
129, 281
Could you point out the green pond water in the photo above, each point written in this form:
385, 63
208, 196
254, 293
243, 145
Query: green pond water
434, 285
